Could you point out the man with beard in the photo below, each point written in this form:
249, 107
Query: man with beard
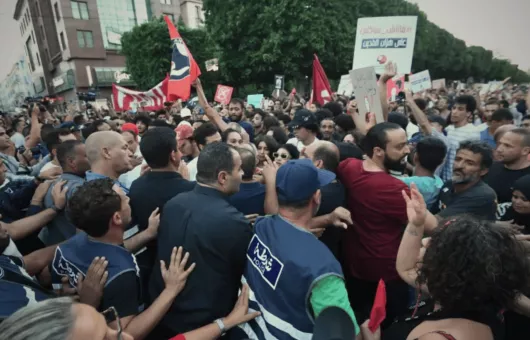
327, 128
513, 151
466, 193
375, 201
236, 110
142, 122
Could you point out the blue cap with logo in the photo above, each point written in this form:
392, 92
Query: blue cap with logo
297, 180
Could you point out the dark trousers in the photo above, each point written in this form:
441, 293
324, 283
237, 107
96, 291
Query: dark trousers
362, 294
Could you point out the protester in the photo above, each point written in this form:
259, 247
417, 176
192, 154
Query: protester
497, 119
285, 153
204, 135
305, 126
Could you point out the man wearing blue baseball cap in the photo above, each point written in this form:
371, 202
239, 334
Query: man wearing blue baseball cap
292, 276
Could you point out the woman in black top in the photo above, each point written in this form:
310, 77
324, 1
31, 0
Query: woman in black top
519, 211
473, 270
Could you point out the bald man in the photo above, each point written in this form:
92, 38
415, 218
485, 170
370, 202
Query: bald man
109, 156
325, 155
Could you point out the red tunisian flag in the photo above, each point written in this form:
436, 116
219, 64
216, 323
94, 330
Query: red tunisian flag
152, 100
321, 88
184, 70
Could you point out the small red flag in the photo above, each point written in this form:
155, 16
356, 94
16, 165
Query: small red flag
378, 314
321, 88
184, 70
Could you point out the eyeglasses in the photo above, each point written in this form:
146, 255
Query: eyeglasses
281, 155
111, 312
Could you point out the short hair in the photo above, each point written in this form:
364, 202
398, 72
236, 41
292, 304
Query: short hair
468, 101
334, 107
158, 123
279, 135
492, 101
92, 206
261, 113
157, 145
284, 118
376, 137
79, 119
291, 149
66, 150
399, 119
45, 129
524, 133
269, 122
204, 131
323, 114
15, 122
213, 159
97, 123
48, 319
431, 152
345, 122
502, 114
144, 119
479, 147
330, 158
239, 101
248, 163
421, 103
437, 119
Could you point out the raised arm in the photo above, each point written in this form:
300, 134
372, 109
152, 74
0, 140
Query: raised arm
390, 72
210, 112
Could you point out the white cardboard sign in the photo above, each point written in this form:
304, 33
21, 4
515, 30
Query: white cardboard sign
420, 81
364, 83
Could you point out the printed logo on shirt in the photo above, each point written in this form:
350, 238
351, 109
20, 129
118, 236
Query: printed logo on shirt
502, 208
63, 267
264, 261
1, 272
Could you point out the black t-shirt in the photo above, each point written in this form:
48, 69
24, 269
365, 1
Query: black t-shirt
501, 179
333, 196
123, 294
479, 201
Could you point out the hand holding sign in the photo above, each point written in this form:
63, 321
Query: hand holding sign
390, 71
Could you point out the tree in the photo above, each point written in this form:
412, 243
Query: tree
147, 49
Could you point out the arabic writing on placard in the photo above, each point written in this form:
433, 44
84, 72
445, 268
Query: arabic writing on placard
384, 43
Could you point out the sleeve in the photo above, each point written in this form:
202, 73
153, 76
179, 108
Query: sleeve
21, 198
37, 167
34, 210
483, 206
123, 294
331, 291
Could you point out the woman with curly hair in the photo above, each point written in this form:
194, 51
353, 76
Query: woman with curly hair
473, 270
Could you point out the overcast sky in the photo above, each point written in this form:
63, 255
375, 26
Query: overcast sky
501, 26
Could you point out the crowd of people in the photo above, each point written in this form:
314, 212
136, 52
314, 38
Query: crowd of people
204, 221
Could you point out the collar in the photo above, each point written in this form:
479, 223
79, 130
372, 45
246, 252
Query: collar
212, 192
91, 176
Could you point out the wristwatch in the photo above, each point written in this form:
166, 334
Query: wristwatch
221, 325
55, 208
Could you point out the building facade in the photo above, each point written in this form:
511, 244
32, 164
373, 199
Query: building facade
73, 46
17, 85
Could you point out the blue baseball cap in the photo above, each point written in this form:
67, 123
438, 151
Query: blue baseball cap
297, 180
71, 126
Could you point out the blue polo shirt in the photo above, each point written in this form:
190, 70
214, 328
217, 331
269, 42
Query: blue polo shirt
486, 137
250, 199
90, 176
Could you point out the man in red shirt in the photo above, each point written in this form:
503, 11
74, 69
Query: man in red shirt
379, 216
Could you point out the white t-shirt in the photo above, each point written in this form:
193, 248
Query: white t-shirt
48, 166
192, 169
18, 139
299, 145
411, 130
466, 132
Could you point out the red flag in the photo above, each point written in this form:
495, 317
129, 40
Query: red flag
223, 94
378, 313
321, 88
125, 99
184, 69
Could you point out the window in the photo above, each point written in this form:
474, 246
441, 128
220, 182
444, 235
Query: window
42, 32
38, 8
63, 42
38, 59
21, 30
165, 2
33, 36
170, 16
30, 54
85, 39
79, 10
56, 9
42, 83
47, 53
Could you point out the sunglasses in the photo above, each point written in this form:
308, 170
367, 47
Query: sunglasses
111, 312
281, 155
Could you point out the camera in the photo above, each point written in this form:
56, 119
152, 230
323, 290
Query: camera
400, 98
30, 101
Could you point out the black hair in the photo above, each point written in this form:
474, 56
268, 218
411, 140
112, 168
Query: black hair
329, 157
437, 119
45, 129
227, 132
98, 123
463, 274
92, 206
348, 150
284, 118
248, 163
157, 145
158, 123
492, 101
399, 119
144, 119
376, 137
502, 114
468, 101
79, 119
524, 133
421, 103
269, 122
204, 131
279, 135
66, 150
15, 123
239, 101
271, 143
291, 149
261, 113
345, 122
323, 114
431, 152
504, 104
213, 159
334, 107
51, 140
479, 147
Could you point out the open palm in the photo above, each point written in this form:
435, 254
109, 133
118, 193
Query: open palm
416, 207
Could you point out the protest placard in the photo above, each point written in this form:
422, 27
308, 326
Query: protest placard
278, 82
255, 99
364, 84
223, 94
438, 84
420, 81
345, 87
394, 86
212, 65
383, 39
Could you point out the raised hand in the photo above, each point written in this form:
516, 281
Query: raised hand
176, 274
416, 207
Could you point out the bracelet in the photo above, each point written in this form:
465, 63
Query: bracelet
221, 325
